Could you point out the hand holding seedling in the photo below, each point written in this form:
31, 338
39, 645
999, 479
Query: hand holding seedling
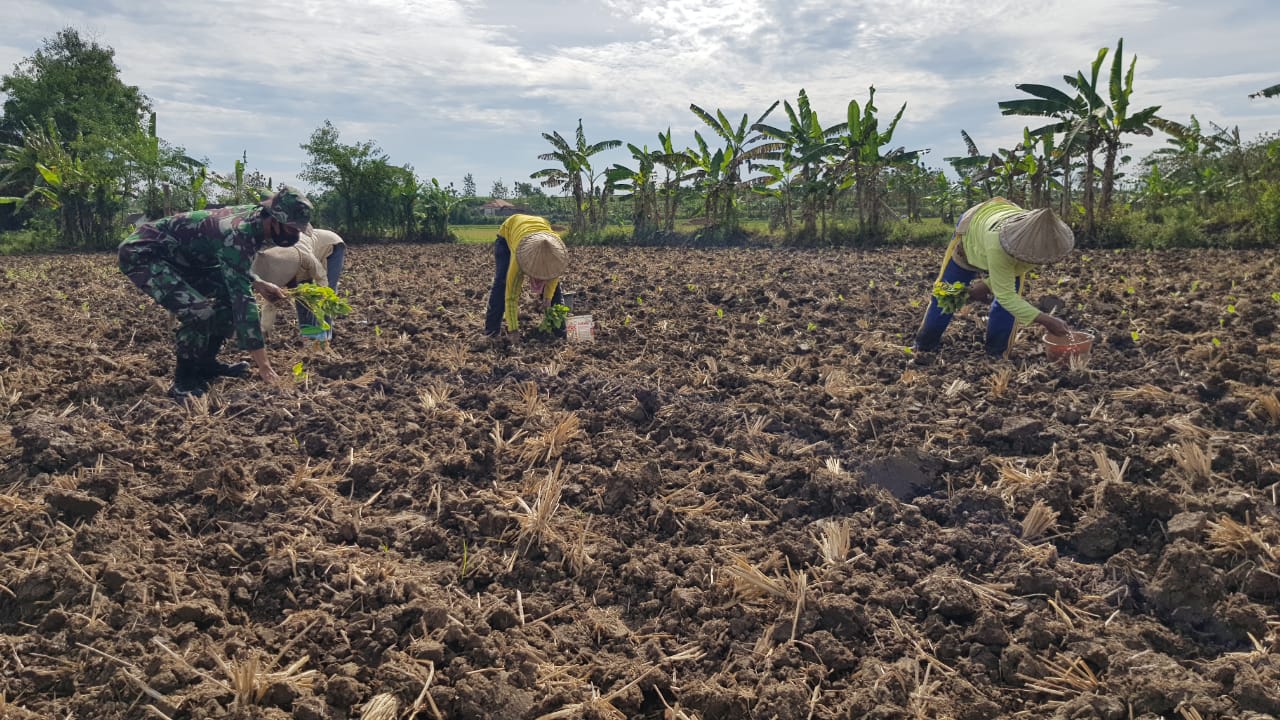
270, 291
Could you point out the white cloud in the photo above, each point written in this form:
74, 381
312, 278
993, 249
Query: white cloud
457, 86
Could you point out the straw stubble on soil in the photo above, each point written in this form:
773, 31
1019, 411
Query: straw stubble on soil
745, 499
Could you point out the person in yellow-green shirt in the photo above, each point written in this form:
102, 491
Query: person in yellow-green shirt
539, 255
1003, 241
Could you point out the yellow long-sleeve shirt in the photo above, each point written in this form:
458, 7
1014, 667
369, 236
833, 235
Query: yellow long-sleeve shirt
513, 230
982, 250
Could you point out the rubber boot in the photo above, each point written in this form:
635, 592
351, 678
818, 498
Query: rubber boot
187, 381
211, 369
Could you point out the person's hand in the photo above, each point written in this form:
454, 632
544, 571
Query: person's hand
980, 293
1055, 326
268, 375
270, 291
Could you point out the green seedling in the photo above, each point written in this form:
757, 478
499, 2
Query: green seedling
639, 299
812, 326
719, 312
323, 303
553, 318
691, 287
761, 320
1217, 342
377, 331
908, 349
1134, 334
1275, 296
950, 296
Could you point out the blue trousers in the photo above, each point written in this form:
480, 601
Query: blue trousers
332, 270
999, 322
498, 293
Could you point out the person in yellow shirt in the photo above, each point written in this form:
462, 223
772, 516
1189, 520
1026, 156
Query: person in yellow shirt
1003, 241
540, 255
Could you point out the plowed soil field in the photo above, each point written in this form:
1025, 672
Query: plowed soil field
744, 499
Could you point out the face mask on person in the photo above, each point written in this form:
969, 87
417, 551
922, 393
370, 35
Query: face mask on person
279, 234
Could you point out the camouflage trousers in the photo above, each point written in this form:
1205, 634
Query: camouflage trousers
197, 296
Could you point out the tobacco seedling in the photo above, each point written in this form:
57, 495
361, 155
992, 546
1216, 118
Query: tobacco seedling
300, 374
553, 318
323, 303
812, 326
719, 312
950, 296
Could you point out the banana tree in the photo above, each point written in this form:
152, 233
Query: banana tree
575, 166
639, 181
675, 164
862, 159
801, 150
434, 203
722, 182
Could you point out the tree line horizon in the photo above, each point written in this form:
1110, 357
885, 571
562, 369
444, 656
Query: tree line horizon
79, 154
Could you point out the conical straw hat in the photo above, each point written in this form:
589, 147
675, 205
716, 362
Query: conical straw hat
542, 255
1036, 236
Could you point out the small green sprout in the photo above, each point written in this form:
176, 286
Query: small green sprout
812, 326
719, 312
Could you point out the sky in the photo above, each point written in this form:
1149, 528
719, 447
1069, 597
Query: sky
453, 87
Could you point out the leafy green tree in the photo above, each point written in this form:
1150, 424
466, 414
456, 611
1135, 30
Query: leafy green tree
801, 150
861, 144
435, 203
76, 85
675, 165
1089, 122
468, 185
639, 182
577, 175
359, 179
499, 190
720, 173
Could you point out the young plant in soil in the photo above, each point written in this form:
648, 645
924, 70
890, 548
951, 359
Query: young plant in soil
553, 318
950, 296
323, 303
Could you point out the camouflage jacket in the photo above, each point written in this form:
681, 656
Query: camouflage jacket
221, 241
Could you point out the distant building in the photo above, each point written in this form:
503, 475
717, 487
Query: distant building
500, 208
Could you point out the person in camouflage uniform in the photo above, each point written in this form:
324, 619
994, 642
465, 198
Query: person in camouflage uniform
197, 265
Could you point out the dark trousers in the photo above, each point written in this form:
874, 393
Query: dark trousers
498, 293
999, 322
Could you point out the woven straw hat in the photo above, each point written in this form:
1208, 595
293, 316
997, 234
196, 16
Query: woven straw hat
542, 255
1036, 236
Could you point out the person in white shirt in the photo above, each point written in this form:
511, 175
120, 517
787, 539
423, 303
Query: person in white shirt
317, 258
